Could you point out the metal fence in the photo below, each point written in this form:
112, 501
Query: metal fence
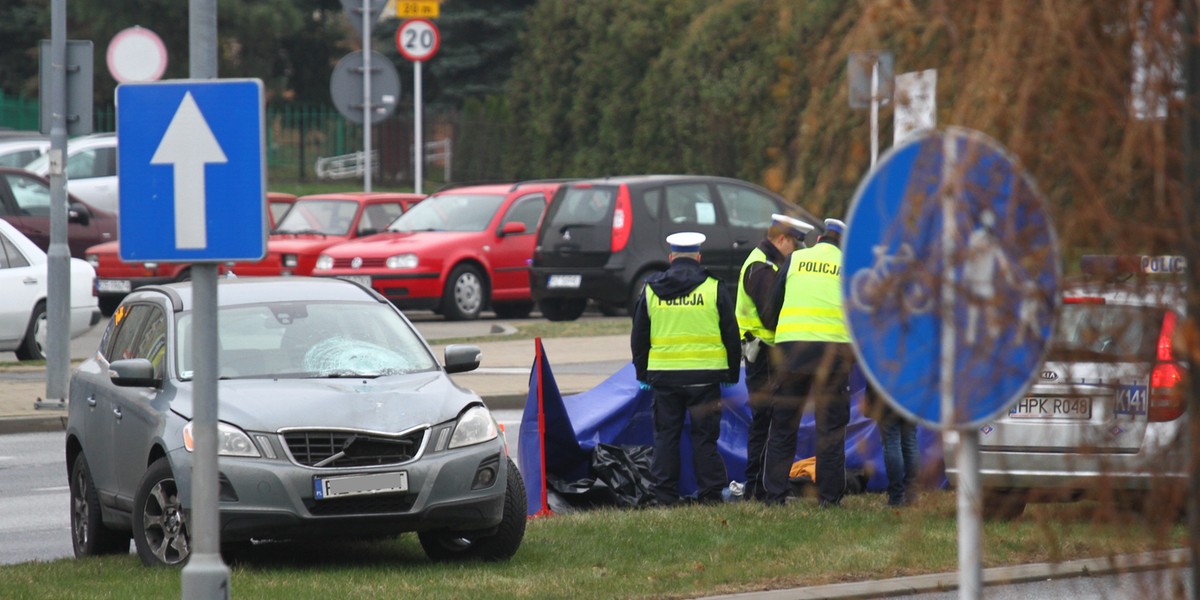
300, 138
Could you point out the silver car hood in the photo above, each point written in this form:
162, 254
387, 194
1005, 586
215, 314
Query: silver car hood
386, 404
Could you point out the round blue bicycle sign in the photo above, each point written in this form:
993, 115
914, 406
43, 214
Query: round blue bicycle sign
950, 278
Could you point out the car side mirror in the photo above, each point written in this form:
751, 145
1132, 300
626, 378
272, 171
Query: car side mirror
461, 358
133, 372
78, 213
512, 227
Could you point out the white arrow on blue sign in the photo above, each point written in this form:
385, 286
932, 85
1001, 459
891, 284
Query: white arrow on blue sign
950, 278
192, 170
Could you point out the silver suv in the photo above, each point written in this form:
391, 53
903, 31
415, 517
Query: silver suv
1103, 418
335, 421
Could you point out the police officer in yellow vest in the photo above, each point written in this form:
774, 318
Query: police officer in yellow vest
814, 347
785, 235
685, 347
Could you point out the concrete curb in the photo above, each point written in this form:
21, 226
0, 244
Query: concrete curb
943, 582
56, 422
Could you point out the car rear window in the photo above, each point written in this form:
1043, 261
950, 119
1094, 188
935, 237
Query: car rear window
450, 212
1106, 332
584, 206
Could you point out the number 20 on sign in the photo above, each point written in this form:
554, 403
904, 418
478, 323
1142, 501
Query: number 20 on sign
417, 9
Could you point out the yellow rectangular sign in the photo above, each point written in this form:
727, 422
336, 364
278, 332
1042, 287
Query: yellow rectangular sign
417, 9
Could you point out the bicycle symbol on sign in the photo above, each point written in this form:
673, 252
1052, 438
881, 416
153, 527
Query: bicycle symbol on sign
891, 274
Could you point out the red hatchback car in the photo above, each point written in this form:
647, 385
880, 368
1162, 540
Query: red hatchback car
115, 278
458, 252
318, 221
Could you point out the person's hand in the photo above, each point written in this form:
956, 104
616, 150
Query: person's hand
642, 385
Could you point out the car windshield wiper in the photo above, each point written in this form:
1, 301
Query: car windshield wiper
304, 232
564, 228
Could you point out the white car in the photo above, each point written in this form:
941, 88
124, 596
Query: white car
1106, 416
18, 151
24, 279
91, 170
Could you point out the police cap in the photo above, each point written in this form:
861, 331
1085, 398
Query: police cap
793, 226
685, 241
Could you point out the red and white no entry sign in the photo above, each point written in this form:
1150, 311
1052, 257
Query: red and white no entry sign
418, 39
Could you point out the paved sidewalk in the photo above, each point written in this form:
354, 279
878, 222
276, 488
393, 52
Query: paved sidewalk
578, 364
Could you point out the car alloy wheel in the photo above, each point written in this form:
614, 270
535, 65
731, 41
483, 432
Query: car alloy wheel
159, 522
33, 347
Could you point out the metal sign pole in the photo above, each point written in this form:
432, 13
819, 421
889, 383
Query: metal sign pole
418, 145
874, 112
205, 576
970, 574
58, 310
367, 120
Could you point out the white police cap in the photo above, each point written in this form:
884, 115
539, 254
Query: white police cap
796, 227
685, 241
835, 226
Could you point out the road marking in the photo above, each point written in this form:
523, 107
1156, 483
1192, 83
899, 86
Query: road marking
57, 488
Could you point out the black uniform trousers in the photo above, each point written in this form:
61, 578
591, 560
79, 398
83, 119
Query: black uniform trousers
758, 385
817, 372
672, 404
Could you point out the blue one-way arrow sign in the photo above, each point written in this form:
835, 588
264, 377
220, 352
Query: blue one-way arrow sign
191, 167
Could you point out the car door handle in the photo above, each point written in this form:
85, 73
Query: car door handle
117, 412
91, 400
30, 281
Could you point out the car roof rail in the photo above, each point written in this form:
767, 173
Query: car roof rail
462, 184
172, 295
518, 184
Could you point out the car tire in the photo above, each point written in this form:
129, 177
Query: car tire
159, 522
612, 309
464, 295
33, 346
108, 306
1002, 506
562, 309
513, 310
89, 536
502, 544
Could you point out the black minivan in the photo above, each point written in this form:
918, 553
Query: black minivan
601, 238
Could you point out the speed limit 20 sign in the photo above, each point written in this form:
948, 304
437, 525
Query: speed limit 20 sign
418, 39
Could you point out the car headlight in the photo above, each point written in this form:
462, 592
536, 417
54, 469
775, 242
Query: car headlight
93, 260
290, 261
231, 441
474, 426
324, 262
402, 261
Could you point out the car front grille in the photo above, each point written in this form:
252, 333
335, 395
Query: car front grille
361, 505
341, 449
368, 262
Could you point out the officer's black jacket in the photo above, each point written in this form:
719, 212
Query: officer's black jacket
684, 275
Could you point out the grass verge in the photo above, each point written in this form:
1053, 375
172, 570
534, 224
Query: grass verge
655, 553
527, 330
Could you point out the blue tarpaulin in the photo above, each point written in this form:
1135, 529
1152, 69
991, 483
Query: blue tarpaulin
618, 413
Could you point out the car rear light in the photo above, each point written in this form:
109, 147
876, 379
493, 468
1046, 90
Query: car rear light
1167, 399
622, 222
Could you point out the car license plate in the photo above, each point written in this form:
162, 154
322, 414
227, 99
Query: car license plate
1037, 407
564, 281
356, 485
363, 280
114, 285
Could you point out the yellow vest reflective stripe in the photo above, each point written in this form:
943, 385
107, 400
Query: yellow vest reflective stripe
747, 314
685, 332
812, 300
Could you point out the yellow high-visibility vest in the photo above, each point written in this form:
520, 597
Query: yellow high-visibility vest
685, 332
747, 314
812, 300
